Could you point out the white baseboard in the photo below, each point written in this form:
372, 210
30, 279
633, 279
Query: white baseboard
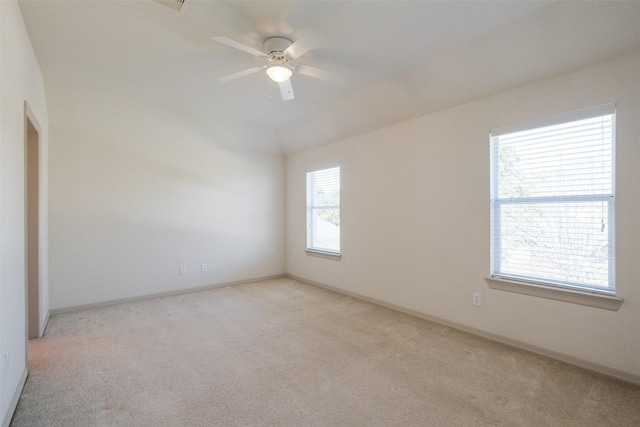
14, 401
593, 367
43, 327
160, 294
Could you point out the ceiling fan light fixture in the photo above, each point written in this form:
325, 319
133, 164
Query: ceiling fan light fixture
278, 73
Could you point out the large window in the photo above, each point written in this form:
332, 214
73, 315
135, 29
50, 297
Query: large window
552, 202
323, 210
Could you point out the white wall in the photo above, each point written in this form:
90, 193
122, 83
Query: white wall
415, 219
21, 80
136, 191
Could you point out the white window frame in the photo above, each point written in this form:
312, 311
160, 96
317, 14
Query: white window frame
601, 297
330, 249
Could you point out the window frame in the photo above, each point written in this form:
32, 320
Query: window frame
556, 290
311, 204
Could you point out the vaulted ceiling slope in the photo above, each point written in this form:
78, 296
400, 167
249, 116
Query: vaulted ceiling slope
402, 59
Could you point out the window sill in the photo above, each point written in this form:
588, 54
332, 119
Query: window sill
321, 254
606, 302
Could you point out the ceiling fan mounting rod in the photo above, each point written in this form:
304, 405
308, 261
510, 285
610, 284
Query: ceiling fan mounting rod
275, 48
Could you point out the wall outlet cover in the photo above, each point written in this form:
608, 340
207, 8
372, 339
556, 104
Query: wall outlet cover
477, 298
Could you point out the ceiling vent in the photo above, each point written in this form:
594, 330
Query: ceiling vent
173, 4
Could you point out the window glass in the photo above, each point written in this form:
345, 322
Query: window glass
323, 210
552, 203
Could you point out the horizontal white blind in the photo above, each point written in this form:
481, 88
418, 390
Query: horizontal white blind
571, 116
323, 210
552, 192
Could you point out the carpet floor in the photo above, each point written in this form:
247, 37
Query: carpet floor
284, 353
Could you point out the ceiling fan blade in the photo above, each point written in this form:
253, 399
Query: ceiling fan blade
317, 73
238, 45
286, 90
309, 41
240, 74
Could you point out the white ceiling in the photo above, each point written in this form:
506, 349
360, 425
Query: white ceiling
402, 59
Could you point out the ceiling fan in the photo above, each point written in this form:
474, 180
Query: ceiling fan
279, 53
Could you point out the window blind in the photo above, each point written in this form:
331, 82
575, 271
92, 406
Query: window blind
323, 210
552, 202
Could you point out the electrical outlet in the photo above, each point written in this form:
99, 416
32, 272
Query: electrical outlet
477, 298
203, 267
183, 269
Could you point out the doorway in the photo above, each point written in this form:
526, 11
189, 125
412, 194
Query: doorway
32, 224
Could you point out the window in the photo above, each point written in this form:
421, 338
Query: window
323, 211
552, 202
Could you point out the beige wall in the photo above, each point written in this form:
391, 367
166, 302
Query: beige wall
137, 191
21, 81
415, 219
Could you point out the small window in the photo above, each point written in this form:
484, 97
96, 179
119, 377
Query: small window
323, 210
552, 202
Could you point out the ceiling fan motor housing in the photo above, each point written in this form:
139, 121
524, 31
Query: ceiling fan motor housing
274, 47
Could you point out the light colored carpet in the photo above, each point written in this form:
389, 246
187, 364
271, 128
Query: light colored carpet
284, 353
